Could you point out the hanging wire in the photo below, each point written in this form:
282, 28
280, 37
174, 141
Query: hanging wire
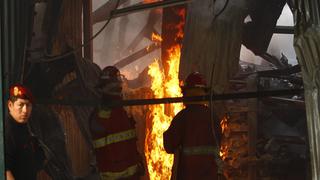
82, 45
211, 106
211, 79
211, 82
212, 110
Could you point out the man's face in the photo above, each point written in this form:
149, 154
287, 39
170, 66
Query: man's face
20, 110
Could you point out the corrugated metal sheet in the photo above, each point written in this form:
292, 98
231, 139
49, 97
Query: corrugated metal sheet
76, 145
70, 33
210, 46
70, 30
307, 46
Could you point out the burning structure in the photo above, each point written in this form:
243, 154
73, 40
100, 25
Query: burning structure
50, 46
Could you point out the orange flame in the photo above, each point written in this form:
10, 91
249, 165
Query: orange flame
224, 128
224, 124
156, 37
182, 14
159, 163
149, 1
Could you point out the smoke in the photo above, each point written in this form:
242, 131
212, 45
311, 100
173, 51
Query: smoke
110, 46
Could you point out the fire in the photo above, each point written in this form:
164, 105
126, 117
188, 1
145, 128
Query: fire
156, 37
149, 1
224, 124
181, 13
225, 129
158, 161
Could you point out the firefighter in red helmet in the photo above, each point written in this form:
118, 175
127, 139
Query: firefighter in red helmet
190, 136
23, 155
114, 134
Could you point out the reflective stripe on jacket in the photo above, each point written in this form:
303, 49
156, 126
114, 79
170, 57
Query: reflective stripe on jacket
114, 138
130, 171
104, 113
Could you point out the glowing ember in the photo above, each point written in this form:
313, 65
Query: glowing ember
149, 1
224, 124
224, 128
180, 26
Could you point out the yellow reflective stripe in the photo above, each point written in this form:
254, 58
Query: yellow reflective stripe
104, 113
200, 150
119, 175
114, 138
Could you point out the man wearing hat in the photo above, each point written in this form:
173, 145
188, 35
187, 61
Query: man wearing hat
23, 155
190, 137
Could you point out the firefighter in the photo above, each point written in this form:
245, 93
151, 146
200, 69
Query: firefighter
23, 155
113, 133
191, 139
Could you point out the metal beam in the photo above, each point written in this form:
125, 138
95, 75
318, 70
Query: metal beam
135, 56
135, 102
148, 6
284, 30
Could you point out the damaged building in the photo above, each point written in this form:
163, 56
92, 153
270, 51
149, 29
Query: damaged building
262, 79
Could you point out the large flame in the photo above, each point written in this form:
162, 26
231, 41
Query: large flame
158, 161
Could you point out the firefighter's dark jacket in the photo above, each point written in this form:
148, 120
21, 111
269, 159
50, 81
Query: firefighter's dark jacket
23, 155
190, 130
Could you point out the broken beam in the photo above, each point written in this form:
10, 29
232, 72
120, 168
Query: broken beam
148, 6
135, 102
135, 56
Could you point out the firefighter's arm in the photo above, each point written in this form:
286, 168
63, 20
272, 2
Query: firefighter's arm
173, 136
9, 175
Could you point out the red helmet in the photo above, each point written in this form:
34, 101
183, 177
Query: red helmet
20, 91
195, 79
